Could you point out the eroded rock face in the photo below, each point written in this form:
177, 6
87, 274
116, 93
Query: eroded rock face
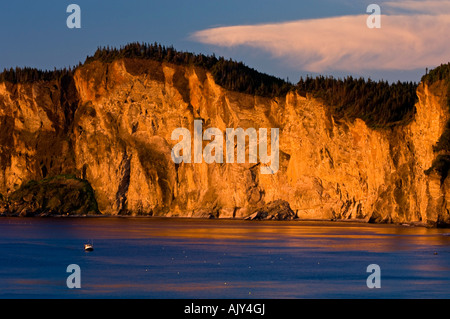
111, 125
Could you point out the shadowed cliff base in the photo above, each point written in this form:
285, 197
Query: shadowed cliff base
350, 149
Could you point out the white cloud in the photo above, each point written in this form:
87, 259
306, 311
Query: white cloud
404, 41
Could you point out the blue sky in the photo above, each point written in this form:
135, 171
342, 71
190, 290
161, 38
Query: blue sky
34, 33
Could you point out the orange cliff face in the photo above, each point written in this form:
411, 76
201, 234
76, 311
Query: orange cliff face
111, 124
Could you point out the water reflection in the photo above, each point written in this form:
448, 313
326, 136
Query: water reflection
191, 258
339, 236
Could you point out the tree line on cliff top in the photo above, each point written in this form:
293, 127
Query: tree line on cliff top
232, 75
441, 73
28, 75
378, 103
441, 163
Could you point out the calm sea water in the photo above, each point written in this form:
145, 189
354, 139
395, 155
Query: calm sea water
196, 258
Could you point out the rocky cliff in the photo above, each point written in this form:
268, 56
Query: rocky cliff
110, 123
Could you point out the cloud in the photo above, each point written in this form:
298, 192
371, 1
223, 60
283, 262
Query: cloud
345, 43
422, 7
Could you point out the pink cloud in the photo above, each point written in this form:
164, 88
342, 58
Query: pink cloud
404, 42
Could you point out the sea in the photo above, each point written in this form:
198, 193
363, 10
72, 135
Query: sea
173, 258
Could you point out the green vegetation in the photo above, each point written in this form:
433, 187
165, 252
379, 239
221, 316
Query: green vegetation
156, 52
441, 73
231, 75
60, 195
28, 75
442, 162
379, 104
236, 76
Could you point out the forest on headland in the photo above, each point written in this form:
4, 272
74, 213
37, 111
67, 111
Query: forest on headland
442, 148
379, 103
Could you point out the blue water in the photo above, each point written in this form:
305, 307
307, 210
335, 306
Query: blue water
196, 258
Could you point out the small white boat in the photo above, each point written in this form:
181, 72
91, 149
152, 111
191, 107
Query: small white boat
88, 247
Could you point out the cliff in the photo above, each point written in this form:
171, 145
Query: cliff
110, 124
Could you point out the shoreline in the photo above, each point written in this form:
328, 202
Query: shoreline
295, 220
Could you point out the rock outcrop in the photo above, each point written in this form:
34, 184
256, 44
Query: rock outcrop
276, 210
58, 195
111, 123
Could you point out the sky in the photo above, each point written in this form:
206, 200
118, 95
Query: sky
285, 38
